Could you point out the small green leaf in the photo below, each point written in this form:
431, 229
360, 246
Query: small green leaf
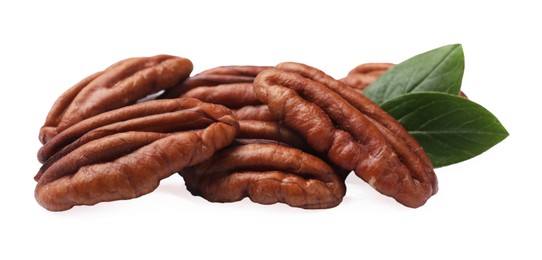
438, 70
451, 129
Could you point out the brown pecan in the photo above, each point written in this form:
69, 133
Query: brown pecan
254, 167
121, 84
266, 173
268, 130
155, 116
124, 153
234, 95
230, 86
361, 76
277, 132
237, 96
353, 131
260, 113
236, 70
216, 76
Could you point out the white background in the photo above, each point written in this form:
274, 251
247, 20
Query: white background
486, 207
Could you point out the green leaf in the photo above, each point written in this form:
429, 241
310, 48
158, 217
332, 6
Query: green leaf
451, 129
438, 70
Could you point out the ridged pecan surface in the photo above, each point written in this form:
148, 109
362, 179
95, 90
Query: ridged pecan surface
266, 173
353, 131
230, 86
121, 84
124, 153
216, 76
364, 74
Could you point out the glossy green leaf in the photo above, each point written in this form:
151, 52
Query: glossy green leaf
451, 129
438, 70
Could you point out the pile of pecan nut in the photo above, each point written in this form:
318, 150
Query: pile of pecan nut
288, 133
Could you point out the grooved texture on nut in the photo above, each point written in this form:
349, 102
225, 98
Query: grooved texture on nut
267, 174
364, 74
121, 84
230, 86
125, 153
354, 132
215, 76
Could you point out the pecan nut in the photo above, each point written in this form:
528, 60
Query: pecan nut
355, 133
267, 174
259, 112
239, 97
269, 130
216, 76
121, 84
124, 153
364, 74
233, 95
230, 86
268, 163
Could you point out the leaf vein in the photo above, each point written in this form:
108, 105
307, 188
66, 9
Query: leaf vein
432, 70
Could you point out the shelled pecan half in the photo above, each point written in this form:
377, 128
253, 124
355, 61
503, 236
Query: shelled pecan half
216, 76
364, 74
268, 130
239, 97
124, 153
355, 133
266, 173
121, 84
230, 86
233, 95
259, 112
268, 163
